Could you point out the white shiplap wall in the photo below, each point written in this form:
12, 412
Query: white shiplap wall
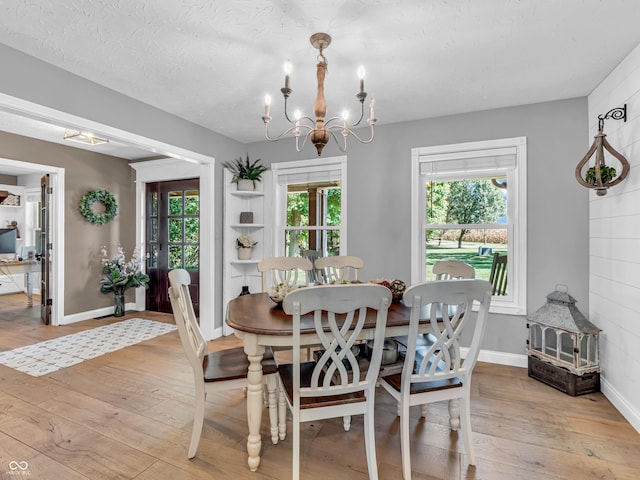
614, 251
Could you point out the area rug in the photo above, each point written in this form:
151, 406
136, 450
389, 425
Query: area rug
51, 355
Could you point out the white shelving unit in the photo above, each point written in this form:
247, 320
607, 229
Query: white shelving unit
8, 213
238, 273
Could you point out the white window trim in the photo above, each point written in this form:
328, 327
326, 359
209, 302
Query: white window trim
280, 196
516, 302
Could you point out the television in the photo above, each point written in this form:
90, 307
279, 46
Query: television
8, 240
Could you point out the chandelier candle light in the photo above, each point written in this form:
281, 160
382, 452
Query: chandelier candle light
319, 130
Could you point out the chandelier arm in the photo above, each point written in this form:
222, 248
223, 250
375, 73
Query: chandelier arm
343, 147
351, 132
326, 123
288, 130
286, 114
306, 117
361, 114
306, 137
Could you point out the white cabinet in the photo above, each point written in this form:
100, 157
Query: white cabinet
239, 273
11, 283
8, 214
14, 213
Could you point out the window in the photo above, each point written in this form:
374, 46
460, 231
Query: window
310, 199
469, 203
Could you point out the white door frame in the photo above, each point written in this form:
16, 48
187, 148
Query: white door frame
174, 169
207, 182
56, 236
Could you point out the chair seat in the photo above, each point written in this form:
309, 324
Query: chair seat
232, 364
306, 369
395, 381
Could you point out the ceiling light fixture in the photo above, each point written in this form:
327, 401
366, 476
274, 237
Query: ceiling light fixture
319, 130
83, 137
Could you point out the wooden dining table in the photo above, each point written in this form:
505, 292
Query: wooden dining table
28, 267
259, 322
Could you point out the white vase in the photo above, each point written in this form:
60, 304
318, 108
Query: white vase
245, 185
244, 253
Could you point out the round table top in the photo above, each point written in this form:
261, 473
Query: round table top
256, 313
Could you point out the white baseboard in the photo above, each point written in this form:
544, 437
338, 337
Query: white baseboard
627, 410
89, 314
501, 358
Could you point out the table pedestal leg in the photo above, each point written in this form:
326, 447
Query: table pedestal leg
254, 402
282, 413
272, 389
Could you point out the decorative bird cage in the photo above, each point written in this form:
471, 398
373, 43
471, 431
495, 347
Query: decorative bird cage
563, 346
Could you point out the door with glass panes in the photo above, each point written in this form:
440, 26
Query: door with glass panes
173, 239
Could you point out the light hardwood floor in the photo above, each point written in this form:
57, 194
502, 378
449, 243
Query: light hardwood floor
127, 414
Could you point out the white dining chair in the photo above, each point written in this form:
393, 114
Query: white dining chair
337, 269
453, 269
290, 271
332, 386
440, 373
443, 270
498, 275
214, 371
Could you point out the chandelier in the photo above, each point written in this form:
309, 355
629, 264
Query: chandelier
319, 130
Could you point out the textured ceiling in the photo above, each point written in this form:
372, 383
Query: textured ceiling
212, 62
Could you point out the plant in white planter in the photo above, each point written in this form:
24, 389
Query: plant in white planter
244, 244
245, 173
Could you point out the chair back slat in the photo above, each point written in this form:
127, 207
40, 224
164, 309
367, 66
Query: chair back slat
338, 269
498, 275
451, 269
340, 313
312, 256
193, 342
284, 270
448, 306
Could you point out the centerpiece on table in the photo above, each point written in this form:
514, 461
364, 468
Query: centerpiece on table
118, 275
279, 291
245, 244
396, 286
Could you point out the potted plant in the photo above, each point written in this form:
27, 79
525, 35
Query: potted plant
245, 173
244, 244
606, 174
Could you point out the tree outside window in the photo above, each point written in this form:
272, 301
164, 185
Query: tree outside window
466, 221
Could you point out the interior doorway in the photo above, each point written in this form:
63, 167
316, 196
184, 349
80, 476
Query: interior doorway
29, 175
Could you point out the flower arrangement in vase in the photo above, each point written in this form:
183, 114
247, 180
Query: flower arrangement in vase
118, 274
244, 244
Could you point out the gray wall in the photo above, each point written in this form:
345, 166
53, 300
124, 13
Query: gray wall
378, 176
30, 79
84, 171
379, 197
8, 179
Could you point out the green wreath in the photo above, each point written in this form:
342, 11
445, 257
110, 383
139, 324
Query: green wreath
105, 198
